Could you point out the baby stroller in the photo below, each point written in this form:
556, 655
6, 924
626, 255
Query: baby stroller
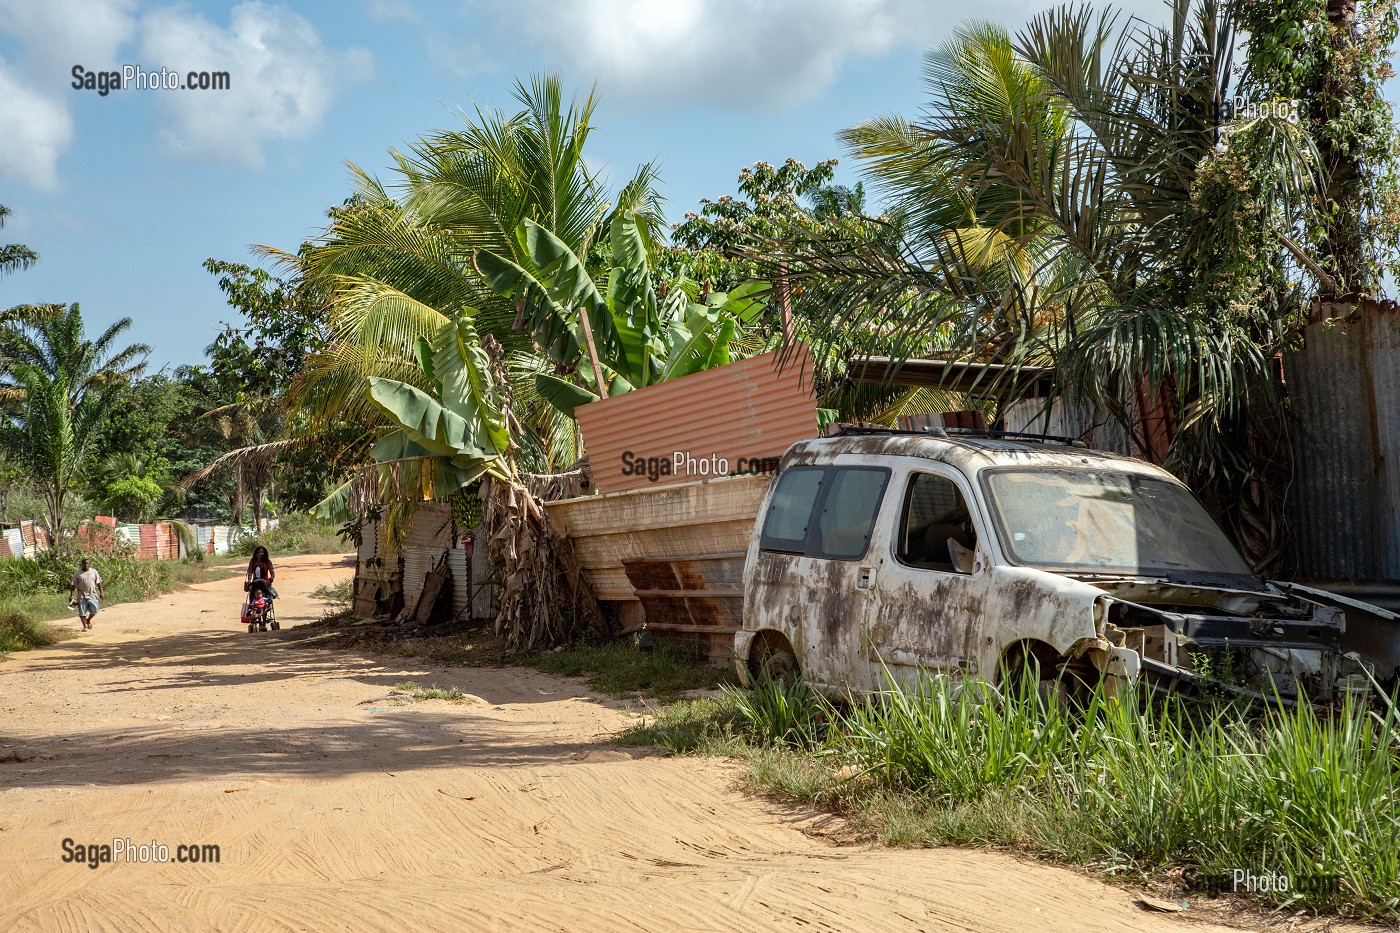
258, 613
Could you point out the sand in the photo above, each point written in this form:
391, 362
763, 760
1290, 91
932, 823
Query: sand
337, 806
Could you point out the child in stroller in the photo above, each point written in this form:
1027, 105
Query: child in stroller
258, 613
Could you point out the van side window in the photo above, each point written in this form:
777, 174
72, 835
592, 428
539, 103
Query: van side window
935, 524
848, 512
790, 512
824, 511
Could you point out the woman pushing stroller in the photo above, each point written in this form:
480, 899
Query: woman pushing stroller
257, 611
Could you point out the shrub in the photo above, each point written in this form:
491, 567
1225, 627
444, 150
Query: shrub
20, 632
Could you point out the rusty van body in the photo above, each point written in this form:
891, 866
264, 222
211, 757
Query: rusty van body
971, 552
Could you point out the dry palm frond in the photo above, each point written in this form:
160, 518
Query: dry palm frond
544, 600
257, 455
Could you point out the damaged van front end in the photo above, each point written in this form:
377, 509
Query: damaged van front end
1177, 593
1276, 642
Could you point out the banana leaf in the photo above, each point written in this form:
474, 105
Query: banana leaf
632, 302
425, 420
562, 394
551, 292
463, 374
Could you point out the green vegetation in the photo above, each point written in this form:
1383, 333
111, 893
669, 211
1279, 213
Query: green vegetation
1126, 787
296, 533
56, 389
621, 670
20, 632
35, 589
13, 256
431, 693
340, 594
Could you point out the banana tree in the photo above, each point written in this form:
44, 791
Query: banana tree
444, 439
631, 337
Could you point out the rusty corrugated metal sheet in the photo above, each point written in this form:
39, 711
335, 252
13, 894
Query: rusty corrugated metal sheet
720, 420
1346, 488
675, 552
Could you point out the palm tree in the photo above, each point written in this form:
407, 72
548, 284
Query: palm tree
14, 257
55, 389
129, 486
1078, 196
398, 260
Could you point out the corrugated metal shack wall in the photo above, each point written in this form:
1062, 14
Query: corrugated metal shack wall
1343, 388
743, 413
431, 535
428, 537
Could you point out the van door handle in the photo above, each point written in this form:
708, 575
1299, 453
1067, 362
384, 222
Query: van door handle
865, 578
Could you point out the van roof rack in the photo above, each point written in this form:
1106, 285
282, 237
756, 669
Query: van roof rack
858, 429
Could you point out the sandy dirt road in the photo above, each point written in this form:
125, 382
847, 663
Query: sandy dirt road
511, 811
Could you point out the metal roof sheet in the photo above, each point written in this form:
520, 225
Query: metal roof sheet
722, 421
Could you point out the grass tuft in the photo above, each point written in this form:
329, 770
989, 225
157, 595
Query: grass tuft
431, 693
340, 594
21, 632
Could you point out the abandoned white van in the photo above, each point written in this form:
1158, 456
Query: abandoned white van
973, 551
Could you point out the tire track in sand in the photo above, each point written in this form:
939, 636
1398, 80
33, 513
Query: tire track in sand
168, 723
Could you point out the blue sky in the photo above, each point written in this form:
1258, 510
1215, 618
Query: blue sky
125, 195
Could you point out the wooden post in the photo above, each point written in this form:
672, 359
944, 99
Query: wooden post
592, 351
784, 303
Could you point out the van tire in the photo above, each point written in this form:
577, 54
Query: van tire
780, 667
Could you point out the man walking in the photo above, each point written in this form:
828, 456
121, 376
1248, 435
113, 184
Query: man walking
86, 587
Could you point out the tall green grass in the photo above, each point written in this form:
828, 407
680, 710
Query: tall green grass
1124, 785
20, 632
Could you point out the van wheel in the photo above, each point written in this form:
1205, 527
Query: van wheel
1056, 679
781, 667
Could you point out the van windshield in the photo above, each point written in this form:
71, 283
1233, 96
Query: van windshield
1104, 522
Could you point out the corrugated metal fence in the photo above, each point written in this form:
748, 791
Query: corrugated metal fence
1343, 386
153, 541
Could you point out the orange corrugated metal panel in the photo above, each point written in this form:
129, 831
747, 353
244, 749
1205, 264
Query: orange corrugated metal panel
722, 421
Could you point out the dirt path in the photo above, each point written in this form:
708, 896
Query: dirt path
509, 812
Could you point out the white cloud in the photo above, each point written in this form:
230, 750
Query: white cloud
282, 79
35, 129
733, 52
749, 54
54, 35
58, 34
